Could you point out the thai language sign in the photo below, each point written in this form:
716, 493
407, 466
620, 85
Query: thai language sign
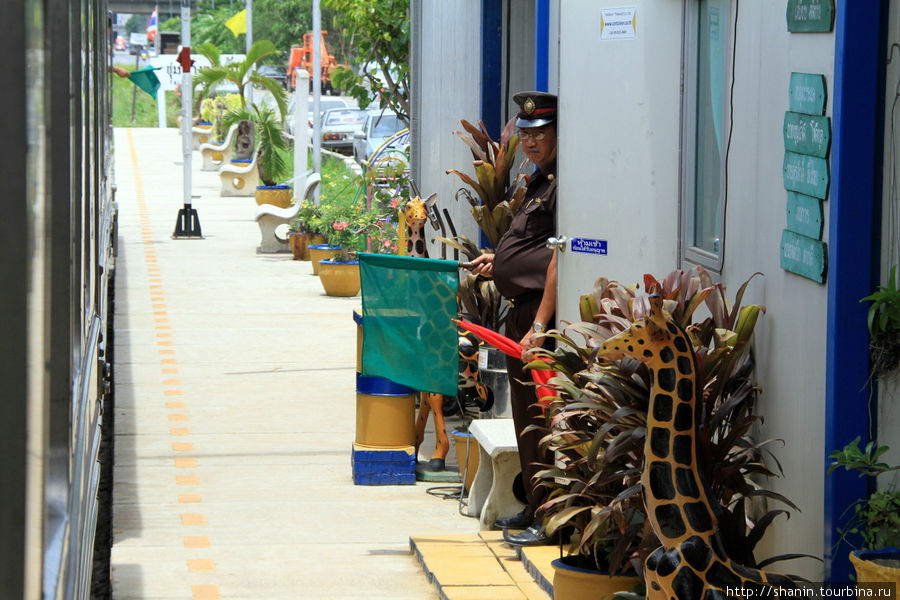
589, 246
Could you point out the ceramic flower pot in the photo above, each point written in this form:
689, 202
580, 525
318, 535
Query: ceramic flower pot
299, 243
574, 583
339, 278
876, 566
279, 195
319, 252
385, 413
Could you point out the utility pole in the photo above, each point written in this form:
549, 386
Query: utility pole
317, 89
249, 40
188, 224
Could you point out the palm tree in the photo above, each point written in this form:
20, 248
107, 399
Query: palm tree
241, 73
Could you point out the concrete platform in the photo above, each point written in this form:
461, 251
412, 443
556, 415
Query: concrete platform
235, 414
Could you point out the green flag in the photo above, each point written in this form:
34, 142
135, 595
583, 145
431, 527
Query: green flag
146, 79
407, 309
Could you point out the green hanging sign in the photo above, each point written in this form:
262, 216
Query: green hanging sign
803, 256
804, 215
810, 16
806, 134
805, 174
807, 93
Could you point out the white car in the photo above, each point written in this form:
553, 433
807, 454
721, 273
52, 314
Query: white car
324, 104
380, 126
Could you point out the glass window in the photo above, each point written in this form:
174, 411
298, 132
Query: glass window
705, 142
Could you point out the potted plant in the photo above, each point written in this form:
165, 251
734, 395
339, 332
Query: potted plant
273, 154
302, 232
598, 424
876, 519
884, 326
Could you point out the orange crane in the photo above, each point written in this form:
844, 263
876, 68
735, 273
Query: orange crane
302, 57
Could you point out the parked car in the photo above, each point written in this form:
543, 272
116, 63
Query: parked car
339, 126
379, 126
273, 72
324, 104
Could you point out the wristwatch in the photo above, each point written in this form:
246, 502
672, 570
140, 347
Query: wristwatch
537, 327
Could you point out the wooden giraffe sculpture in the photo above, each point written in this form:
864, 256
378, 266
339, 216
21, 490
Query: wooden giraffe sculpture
691, 564
416, 215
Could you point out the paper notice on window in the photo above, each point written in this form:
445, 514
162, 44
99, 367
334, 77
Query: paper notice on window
618, 23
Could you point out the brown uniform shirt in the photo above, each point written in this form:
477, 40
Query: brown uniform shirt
521, 258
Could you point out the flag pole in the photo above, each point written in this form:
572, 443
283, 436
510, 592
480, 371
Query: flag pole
188, 224
249, 41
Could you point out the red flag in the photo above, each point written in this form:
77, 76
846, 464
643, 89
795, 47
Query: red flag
510, 348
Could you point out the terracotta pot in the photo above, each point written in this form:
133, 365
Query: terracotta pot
299, 242
319, 252
876, 566
467, 454
339, 278
573, 583
279, 195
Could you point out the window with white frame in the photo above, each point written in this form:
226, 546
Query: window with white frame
705, 135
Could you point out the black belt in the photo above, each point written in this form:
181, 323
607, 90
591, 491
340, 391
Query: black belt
525, 298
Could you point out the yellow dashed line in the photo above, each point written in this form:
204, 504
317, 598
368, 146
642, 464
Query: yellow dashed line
180, 431
196, 541
173, 393
187, 480
178, 417
205, 592
185, 463
198, 565
190, 498
175, 404
192, 519
182, 446
171, 382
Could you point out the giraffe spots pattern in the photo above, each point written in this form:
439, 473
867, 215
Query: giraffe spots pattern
683, 449
670, 522
686, 585
661, 485
685, 483
698, 516
662, 407
666, 379
659, 442
684, 417
696, 552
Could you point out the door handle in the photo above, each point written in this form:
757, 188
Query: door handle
557, 243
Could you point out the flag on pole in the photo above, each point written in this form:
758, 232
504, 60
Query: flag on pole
146, 79
238, 23
152, 27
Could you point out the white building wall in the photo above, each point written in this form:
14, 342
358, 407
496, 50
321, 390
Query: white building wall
791, 337
620, 117
449, 83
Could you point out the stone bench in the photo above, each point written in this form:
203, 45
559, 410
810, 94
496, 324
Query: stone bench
269, 217
491, 496
216, 155
237, 180
200, 135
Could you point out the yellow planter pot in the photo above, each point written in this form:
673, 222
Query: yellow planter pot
319, 252
339, 278
385, 413
876, 566
572, 583
279, 195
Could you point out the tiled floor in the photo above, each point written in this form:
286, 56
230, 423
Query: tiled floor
480, 565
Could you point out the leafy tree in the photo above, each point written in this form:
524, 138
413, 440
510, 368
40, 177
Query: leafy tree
379, 30
242, 73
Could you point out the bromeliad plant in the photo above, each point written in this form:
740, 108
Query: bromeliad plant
498, 199
598, 422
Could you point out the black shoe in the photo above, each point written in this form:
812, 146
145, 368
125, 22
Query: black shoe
519, 521
432, 466
533, 536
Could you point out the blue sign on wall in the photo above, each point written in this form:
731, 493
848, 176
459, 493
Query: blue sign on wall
589, 246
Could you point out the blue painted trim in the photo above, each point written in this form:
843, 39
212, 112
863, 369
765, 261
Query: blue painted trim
541, 45
853, 252
491, 65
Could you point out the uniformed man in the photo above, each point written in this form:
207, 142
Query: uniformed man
524, 270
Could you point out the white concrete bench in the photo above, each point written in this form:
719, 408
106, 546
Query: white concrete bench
270, 217
239, 181
491, 496
200, 135
216, 155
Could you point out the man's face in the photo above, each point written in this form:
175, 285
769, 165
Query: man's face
539, 144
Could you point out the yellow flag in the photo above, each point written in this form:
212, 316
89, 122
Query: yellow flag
238, 23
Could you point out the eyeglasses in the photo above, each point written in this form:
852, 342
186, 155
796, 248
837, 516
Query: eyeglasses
532, 135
